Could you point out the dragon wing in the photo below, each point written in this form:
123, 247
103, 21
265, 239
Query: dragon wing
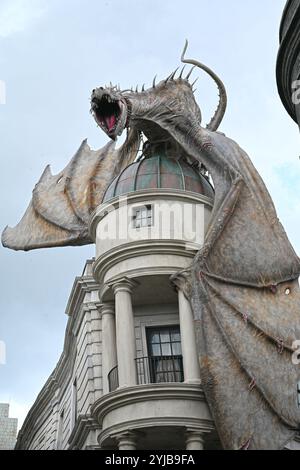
246, 303
61, 204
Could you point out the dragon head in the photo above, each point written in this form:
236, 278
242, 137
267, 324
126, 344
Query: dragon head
152, 111
110, 110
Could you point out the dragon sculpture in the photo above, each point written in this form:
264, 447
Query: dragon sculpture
242, 284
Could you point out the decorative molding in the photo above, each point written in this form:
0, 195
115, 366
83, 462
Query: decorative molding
142, 393
202, 425
81, 286
122, 284
141, 248
84, 424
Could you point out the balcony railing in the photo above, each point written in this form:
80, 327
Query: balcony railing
155, 369
159, 369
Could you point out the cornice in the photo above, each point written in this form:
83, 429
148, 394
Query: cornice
288, 55
149, 393
289, 12
81, 286
141, 393
84, 424
202, 425
141, 248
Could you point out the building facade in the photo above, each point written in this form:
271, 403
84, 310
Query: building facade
129, 376
8, 428
288, 62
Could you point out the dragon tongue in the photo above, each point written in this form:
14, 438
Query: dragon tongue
110, 122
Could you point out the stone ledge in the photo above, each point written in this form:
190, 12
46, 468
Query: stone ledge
133, 408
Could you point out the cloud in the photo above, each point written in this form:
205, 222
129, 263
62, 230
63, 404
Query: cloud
18, 15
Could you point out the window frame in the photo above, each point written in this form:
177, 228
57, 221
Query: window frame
161, 328
140, 208
155, 361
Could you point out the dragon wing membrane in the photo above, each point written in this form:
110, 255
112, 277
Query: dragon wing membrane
61, 204
246, 303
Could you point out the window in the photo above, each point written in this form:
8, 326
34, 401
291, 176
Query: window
142, 216
165, 358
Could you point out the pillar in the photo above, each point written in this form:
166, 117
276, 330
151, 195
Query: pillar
109, 350
126, 440
194, 440
125, 336
188, 340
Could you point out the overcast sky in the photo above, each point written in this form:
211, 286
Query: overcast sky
52, 53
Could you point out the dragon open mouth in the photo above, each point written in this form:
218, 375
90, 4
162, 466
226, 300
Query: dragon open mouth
109, 114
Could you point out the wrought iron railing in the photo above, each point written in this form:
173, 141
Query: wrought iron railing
159, 369
154, 369
113, 379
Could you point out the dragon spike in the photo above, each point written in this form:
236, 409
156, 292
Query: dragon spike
180, 76
189, 74
131, 89
173, 74
111, 85
169, 77
137, 89
143, 87
194, 82
153, 84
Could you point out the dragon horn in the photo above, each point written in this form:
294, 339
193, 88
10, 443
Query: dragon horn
219, 114
153, 84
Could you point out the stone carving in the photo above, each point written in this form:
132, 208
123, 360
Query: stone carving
243, 283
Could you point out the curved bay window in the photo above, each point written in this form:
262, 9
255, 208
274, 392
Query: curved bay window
165, 357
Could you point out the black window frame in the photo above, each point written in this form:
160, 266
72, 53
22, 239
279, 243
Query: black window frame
164, 367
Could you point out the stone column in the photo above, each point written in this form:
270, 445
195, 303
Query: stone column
188, 340
194, 439
126, 350
126, 440
109, 350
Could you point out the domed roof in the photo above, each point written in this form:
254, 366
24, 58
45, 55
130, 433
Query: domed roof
158, 172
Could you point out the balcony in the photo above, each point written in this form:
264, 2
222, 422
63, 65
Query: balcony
155, 415
154, 369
